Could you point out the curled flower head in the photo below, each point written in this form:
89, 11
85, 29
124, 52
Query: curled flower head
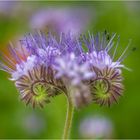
81, 68
31, 70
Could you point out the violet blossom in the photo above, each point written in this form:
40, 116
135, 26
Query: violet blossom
81, 68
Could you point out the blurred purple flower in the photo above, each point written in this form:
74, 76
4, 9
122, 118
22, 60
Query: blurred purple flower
33, 123
11, 8
6, 7
96, 127
62, 20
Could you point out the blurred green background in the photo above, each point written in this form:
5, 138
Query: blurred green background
19, 121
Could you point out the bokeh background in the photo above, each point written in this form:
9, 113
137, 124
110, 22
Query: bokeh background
120, 120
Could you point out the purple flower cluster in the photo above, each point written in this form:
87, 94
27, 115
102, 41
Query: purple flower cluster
81, 68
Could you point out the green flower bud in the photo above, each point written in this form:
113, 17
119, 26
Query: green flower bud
38, 86
107, 87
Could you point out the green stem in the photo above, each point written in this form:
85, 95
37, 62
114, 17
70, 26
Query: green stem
68, 122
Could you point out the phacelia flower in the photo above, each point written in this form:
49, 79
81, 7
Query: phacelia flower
82, 69
96, 127
61, 20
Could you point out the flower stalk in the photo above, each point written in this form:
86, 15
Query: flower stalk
68, 121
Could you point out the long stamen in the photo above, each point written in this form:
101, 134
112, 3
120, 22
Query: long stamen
109, 43
5, 68
118, 40
13, 53
121, 58
8, 61
109, 48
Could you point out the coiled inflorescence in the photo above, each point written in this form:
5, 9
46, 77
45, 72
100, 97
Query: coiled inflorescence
82, 69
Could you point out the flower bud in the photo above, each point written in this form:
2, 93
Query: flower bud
38, 86
107, 87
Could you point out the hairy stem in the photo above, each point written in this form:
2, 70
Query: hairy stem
69, 118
